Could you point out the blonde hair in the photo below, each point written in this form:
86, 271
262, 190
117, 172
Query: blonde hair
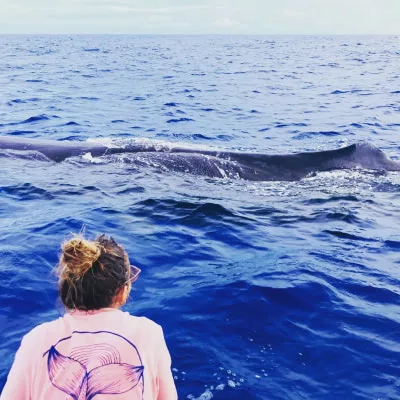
91, 272
77, 257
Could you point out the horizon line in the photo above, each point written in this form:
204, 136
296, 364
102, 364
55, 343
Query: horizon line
200, 34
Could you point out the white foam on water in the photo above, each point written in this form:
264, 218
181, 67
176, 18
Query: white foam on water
107, 142
224, 175
207, 395
227, 376
90, 158
159, 145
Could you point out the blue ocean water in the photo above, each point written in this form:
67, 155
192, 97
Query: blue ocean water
267, 290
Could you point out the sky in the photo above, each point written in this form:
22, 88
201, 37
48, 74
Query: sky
201, 16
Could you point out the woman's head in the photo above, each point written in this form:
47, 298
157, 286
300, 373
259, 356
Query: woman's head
93, 274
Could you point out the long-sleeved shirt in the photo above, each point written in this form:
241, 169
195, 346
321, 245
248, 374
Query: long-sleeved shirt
106, 354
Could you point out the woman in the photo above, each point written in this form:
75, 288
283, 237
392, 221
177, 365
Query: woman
94, 350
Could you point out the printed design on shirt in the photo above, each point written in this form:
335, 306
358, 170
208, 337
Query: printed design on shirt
87, 364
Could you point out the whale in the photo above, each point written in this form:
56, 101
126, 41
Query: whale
214, 163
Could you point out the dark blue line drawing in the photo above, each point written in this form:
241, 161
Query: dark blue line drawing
110, 364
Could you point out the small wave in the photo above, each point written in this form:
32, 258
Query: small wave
356, 125
20, 133
71, 123
332, 199
261, 211
213, 210
194, 136
354, 91
26, 192
319, 216
370, 293
175, 120
94, 49
88, 98
348, 216
344, 235
225, 137
36, 118
73, 191
184, 211
375, 124
340, 92
22, 101
58, 226
35, 81
305, 135
129, 190
189, 90
332, 65
233, 73
71, 138
297, 296
285, 125
394, 244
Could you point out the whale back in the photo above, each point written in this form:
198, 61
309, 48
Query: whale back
358, 155
363, 155
215, 163
54, 150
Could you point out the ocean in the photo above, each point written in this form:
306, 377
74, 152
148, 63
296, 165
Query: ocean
265, 290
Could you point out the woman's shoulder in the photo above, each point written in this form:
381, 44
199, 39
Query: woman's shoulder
144, 325
44, 328
38, 335
142, 322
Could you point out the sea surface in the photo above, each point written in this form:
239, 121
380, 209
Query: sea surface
266, 290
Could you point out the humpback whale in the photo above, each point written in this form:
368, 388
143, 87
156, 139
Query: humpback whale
216, 163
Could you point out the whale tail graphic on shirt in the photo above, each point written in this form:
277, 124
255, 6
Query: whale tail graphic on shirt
97, 368
71, 377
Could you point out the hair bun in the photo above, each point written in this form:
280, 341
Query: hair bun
78, 256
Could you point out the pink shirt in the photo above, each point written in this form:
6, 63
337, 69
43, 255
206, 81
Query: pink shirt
106, 354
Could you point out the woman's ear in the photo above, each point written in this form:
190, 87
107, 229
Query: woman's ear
126, 292
122, 296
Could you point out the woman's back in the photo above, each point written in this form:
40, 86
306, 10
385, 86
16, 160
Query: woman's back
87, 354
95, 350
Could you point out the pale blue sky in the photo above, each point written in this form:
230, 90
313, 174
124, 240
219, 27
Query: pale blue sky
201, 16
